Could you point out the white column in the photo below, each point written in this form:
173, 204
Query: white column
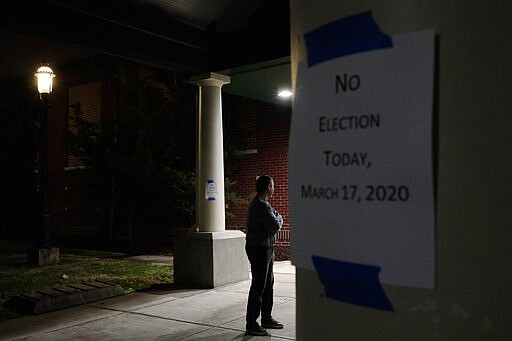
222, 253
210, 204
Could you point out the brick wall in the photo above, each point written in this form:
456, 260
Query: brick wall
268, 155
81, 205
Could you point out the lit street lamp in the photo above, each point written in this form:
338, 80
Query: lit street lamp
44, 79
44, 253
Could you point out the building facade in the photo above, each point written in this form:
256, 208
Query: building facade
82, 202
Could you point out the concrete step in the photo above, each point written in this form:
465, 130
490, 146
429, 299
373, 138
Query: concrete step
63, 297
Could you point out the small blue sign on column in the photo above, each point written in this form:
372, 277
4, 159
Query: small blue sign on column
210, 191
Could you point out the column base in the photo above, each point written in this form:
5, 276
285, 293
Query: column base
43, 256
210, 259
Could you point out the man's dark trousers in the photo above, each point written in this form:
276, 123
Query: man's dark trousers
262, 285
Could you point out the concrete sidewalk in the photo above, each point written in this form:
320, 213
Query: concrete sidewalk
162, 313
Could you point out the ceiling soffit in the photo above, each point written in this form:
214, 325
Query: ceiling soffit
187, 36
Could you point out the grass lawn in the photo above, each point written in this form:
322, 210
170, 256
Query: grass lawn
16, 277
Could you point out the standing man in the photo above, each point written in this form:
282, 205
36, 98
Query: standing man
263, 222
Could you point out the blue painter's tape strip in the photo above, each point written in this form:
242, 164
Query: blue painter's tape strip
354, 34
352, 283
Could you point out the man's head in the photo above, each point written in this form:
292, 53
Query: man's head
265, 185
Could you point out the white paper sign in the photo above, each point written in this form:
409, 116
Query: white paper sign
210, 190
360, 161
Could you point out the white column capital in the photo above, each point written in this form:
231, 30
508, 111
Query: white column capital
211, 79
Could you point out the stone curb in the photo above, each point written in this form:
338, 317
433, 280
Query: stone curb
63, 297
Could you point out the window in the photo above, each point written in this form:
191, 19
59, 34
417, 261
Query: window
84, 100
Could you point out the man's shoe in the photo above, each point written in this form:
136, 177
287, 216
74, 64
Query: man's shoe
270, 323
255, 330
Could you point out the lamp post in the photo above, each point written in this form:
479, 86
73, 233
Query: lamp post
44, 253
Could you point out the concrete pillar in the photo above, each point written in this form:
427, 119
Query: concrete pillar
210, 214
473, 163
211, 256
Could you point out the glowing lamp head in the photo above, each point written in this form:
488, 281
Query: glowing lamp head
44, 79
284, 93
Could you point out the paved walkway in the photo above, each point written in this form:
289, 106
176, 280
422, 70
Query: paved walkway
165, 313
